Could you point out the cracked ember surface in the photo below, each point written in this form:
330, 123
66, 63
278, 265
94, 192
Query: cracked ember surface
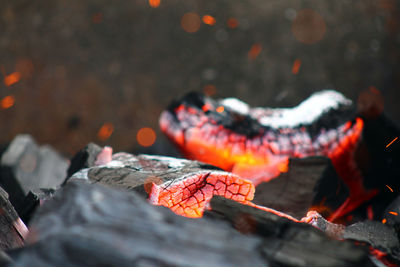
184, 186
256, 143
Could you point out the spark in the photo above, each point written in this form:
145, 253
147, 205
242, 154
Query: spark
190, 22
393, 213
220, 109
384, 221
391, 142
154, 3
105, 131
254, 51
209, 20
12, 78
7, 102
389, 188
232, 23
146, 136
296, 66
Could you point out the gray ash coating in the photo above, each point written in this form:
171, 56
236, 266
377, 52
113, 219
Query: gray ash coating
250, 127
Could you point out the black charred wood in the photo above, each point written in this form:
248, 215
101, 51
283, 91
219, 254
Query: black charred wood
285, 242
12, 229
25, 166
92, 225
33, 200
309, 182
84, 158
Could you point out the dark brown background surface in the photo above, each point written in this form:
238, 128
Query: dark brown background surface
86, 63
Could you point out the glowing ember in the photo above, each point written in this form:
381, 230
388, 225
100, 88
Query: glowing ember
220, 109
209, 20
232, 23
209, 90
256, 143
384, 221
393, 213
308, 27
97, 17
254, 51
391, 142
190, 22
146, 137
296, 66
12, 78
105, 131
7, 102
154, 3
389, 188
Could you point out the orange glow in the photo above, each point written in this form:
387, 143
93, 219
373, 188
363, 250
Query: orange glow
190, 22
7, 102
12, 78
370, 212
283, 167
209, 20
232, 23
205, 108
384, 221
389, 188
393, 213
154, 3
209, 90
220, 109
105, 131
190, 196
97, 17
146, 137
296, 66
254, 51
391, 142
308, 27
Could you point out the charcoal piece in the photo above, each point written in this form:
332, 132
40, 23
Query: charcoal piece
26, 166
376, 234
84, 158
92, 225
286, 242
34, 199
12, 229
184, 186
295, 191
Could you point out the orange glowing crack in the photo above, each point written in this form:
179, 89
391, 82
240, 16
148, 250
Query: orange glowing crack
189, 197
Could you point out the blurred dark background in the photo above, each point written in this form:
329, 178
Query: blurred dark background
79, 71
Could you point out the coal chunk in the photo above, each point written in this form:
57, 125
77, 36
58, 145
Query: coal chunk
287, 243
310, 181
26, 166
85, 158
92, 225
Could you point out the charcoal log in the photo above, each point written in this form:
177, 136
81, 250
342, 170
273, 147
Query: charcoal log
34, 199
309, 182
85, 158
25, 166
12, 229
92, 225
286, 242
184, 186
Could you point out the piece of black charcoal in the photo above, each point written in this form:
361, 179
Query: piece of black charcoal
25, 166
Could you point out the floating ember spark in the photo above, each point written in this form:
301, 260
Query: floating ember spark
389, 188
209, 20
7, 102
12, 78
146, 137
232, 23
254, 51
393, 213
220, 109
391, 142
308, 27
296, 66
105, 131
384, 221
209, 90
97, 17
154, 3
190, 22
